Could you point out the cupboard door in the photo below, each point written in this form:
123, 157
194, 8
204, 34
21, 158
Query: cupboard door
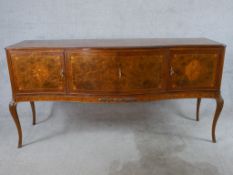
194, 68
35, 71
141, 70
93, 71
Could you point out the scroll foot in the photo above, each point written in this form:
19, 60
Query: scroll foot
219, 106
13, 111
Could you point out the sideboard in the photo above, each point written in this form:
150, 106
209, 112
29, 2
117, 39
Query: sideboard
115, 71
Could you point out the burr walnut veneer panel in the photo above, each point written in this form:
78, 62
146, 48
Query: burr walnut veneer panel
38, 71
195, 68
141, 70
107, 71
92, 71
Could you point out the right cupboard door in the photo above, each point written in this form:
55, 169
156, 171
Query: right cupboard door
194, 68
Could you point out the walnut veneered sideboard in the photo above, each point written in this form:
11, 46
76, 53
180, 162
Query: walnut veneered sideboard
120, 70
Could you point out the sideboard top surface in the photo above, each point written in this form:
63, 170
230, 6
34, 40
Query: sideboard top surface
117, 43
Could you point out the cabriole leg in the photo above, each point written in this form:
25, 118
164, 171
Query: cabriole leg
33, 112
13, 111
198, 108
219, 106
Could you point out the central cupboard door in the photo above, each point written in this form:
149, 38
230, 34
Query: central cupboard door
92, 71
141, 70
115, 71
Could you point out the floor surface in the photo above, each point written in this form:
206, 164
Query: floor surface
159, 137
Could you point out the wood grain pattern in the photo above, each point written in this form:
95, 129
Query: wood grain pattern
92, 71
141, 70
219, 106
194, 70
14, 114
94, 98
38, 71
117, 43
115, 71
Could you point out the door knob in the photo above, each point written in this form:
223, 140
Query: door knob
171, 71
119, 72
62, 73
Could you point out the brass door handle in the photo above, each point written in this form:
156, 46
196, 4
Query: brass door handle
62, 73
171, 71
119, 72
116, 99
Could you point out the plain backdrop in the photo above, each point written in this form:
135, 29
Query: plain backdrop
73, 19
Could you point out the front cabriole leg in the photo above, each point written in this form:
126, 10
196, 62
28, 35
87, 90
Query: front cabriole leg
13, 111
219, 106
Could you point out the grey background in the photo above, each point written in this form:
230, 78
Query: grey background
143, 138
59, 19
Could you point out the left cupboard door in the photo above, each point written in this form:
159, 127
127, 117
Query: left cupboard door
37, 71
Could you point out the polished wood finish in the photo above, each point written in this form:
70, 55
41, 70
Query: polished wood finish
219, 106
113, 71
194, 68
92, 71
38, 71
116, 43
147, 65
14, 114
